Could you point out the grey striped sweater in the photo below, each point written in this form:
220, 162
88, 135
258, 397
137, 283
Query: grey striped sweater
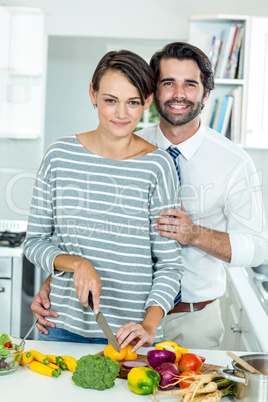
104, 210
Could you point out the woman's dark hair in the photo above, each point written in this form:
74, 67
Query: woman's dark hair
134, 67
182, 51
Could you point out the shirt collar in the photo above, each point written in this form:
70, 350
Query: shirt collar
187, 148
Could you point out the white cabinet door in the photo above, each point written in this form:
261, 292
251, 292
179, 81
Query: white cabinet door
5, 303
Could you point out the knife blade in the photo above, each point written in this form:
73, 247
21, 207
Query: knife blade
103, 324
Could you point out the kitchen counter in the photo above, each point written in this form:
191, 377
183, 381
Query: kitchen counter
25, 385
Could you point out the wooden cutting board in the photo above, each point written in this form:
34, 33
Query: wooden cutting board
207, 368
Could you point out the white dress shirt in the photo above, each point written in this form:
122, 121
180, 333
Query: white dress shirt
220, 190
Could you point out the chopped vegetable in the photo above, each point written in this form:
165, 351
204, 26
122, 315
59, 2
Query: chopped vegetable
157, 357
10, 353
169, 374
96, 372
130, 355
110, 351
43, 369
143, 380
136, 363
172, 347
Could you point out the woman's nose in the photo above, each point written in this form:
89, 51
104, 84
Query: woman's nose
121, 111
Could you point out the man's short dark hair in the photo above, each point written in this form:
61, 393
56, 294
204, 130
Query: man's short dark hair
185, 51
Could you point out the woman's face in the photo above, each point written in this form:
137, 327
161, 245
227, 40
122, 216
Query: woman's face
119, 104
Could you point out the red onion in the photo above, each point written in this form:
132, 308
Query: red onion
157, 357
169, 374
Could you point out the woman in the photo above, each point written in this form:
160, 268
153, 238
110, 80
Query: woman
99, 194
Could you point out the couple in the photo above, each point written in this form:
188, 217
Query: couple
213, 225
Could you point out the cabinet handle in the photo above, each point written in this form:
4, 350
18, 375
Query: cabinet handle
2, 290
235, 328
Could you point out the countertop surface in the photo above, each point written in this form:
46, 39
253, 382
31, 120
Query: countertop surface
252, 306
26, 385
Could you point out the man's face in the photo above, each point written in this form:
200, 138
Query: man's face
180, 92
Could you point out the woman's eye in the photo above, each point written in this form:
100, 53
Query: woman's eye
110, 100
134, 103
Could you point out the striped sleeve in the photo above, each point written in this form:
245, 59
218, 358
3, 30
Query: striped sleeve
38, 246
166, 253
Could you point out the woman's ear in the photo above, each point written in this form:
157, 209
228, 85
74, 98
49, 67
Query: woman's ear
92, 94
148, 101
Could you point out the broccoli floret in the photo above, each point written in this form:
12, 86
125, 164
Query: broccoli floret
95, 372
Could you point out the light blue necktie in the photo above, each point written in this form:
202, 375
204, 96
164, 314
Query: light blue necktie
174, 153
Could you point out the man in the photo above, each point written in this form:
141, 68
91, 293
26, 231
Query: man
221, 219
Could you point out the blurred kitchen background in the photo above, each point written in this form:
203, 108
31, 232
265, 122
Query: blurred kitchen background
48, 52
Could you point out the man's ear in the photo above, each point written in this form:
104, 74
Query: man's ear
206, 97
92, 94
148, 101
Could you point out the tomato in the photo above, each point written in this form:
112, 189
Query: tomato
187, 382
202, 358
190, 361
8, 345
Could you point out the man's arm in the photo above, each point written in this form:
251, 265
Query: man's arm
181, 228
40, 305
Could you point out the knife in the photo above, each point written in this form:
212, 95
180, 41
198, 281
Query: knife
103, 324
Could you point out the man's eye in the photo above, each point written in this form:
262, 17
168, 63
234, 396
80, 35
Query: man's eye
110, 100
167, 84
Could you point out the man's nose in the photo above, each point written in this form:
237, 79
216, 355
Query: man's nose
179, 92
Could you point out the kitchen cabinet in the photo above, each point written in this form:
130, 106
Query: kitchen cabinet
241, 331
22, 72
251, 99
10, 290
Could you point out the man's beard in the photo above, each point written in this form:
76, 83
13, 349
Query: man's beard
177, 119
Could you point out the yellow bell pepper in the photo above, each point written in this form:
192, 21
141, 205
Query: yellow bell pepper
113, 354
172, 347
143, 380
130, 355
125, 354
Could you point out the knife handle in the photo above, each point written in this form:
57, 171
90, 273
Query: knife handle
90, 300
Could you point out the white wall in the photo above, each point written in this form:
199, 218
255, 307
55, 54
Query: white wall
80, 31
157, 19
